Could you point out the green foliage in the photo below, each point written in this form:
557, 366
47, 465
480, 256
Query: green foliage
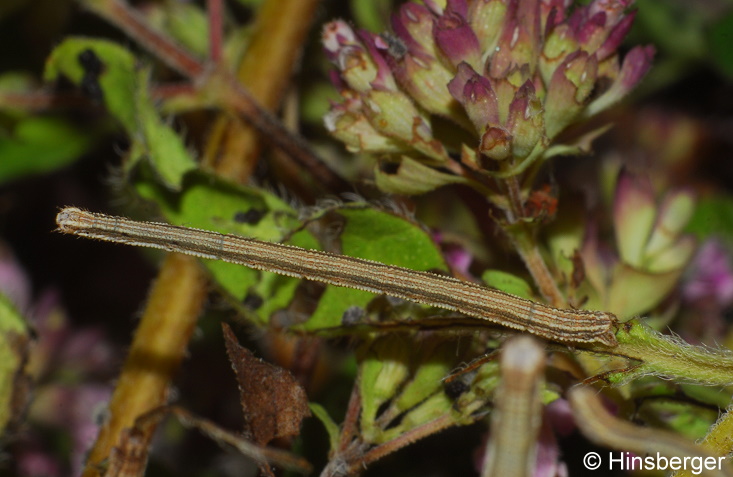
40, 144
125, 91
508, 283
332, 429
14, 340
117, 80
372, 15
213, 204
721, 38
400, 383
374, 235
713, 217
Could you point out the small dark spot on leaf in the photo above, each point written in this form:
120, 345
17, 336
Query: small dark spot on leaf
251, 217
352, 316
253, 301
390, 168
93, 67
454, 388
91, 63
91, 89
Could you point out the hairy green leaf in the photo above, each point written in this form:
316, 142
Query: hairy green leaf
213, 204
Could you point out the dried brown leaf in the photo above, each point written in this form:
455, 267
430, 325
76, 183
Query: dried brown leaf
274, 403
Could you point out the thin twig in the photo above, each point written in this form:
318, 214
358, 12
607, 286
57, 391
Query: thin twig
214, 11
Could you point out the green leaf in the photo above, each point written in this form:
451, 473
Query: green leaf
14, 82
331, 427
189, 25
14, 344
383, 371
375, 235
125, 91
411, 177
117, 79
508, 283
41, 144
721, 39
713, 216
436, 357
158, 141
212, 204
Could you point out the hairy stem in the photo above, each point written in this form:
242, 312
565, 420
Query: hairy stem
156, 352
409, 437
669, 357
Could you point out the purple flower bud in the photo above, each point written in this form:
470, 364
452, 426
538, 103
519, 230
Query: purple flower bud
515, 73
346, 121
519, 44
456, 39
375, 44
486, 18
496, 144
361, 66
525, 122
636, 63
477, 96
615, 37
413, 24
614, 9
599, 22
457, 6
394, 115
568, 90
588, 32
336, 35
553, 12
425, 80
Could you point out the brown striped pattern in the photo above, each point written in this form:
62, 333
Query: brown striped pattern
570, 326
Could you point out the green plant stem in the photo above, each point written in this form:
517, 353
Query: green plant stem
156, 352
266, 71
357, 465
522, 235
668, 356
525, 243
